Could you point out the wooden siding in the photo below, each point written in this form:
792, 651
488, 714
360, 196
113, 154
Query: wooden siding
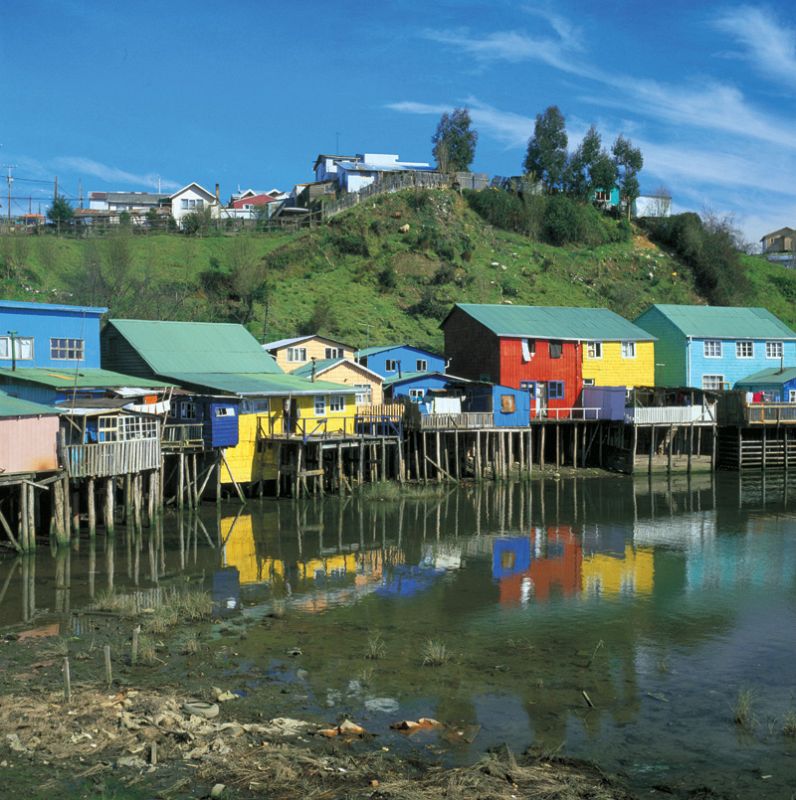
315, 347
120, 356
112, 458
28, 444
670, 349
542, 368
614, 370
472, 350
351, 375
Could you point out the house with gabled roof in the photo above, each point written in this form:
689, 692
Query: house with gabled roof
346, 371
714, 347
297, 351
552, 352
390, 360
192, 198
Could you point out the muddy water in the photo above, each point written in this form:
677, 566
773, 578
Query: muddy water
604, 618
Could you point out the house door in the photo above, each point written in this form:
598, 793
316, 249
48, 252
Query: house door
541, 399
290, 413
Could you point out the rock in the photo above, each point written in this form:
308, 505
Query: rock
294, 651
217, 791
198, 708
405, 725
225, 697
494, 263
382, 705
429, 722
302, 674
136, 762
348, 728
284, 727
329, 733
15, 744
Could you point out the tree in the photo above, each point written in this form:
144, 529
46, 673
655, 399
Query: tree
454, 142
60, 212
546, 157
629, 161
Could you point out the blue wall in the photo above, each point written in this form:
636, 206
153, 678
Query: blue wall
424, 382
779, 392
42, 322
408, 356
218, 429
729, 365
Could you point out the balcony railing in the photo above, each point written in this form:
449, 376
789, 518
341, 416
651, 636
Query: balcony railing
569, 413
471, 420
668, 415
103, 459
770, 413
182, 436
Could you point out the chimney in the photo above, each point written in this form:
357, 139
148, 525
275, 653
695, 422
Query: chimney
312, 377
218, 194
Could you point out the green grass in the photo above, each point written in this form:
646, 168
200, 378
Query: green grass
360, 278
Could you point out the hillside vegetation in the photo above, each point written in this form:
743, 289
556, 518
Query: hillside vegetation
367, 278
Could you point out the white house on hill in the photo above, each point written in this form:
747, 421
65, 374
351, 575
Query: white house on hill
193, 197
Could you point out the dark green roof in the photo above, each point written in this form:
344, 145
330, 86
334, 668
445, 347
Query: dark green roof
555, 322
258, 384
80, 379
723, 322
772, 376
14, 407
305, 370
169, 347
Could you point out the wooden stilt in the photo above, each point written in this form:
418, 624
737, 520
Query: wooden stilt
109, 505
542, 446
92, 508
457, 467
478, 472
181, 482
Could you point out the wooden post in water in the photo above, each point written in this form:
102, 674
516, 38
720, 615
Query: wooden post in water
477, 455
457, 462
671, 445
31, 516
690, 446
181, 481
136, 490
92, 508
438, 454
109, 505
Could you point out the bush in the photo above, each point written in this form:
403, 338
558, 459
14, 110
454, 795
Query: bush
388, 277
499, 208
351, 243
567, 221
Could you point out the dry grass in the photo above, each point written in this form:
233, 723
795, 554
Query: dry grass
789, 724
147, 652
175, 606
376, 647
435, 654
743, 711
190, 647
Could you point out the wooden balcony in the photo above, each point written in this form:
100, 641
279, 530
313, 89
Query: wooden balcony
183, 437
104, 459
470, 421
734, 410
671, 415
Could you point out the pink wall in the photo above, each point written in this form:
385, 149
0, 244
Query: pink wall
28, 444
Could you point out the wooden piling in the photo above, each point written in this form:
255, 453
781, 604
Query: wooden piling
92, 508
67, 682
108, 667
109, 505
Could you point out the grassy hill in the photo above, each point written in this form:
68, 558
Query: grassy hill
365, 277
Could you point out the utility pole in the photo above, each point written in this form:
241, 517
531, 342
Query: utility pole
55, 190
80, 191
10, 180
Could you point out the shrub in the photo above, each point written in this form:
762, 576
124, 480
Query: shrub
445, 274
351, 243
568, 221
388, 277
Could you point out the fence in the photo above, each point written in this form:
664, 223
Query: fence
663, 415
770, 413
472, 420
182, 436
104, 459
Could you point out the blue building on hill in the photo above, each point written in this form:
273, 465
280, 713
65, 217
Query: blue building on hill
49, 336
713, 348
400, 359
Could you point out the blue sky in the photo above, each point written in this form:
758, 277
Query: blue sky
247, 93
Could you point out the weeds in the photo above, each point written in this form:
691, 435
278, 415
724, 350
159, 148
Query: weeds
376, 647
190, 647
789, 724
390, 490
174, 606
435, 654
147, 652
743, 712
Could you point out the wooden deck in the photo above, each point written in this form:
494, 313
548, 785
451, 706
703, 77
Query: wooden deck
105, 459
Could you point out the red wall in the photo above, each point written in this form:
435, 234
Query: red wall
543, 368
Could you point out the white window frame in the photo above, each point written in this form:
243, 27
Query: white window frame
709, 346
184, 203
588, 381
296, 355
417, 395
775, 350
68, 346
719, 379
336, 403
628, 349
421, 365
188, 409
594, 350
19, 342
364, 396
319, 405
391, 365
225, 411
741, 346
792, 395
126, 428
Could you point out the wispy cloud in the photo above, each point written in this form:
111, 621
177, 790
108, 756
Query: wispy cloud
111, 174
768, 44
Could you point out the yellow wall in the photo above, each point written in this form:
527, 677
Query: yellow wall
613, 370
605, 574
254, 457
350, 375
316, 347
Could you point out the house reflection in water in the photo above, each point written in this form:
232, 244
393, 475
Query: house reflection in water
555, 561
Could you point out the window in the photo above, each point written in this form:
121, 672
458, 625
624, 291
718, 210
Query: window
390, 365
713, 383
528, 386
337, 402
364, 394
528, 349
792, 395
555, 390
188, 409
125, 428
508, 404
261, 405
225, 411
334, 352
773, 349
320, 406
296, 354
628, 349
23, 347
712, 348
184, 203
200, 203
67, 349
422, 365
416, 395
602, 196
594, 350
555, 349
744, 349
588, 381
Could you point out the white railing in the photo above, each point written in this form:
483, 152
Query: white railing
471, 420
668, 415
568, 413
104, 459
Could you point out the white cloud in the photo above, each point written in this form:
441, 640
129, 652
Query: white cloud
768, 44
111, 174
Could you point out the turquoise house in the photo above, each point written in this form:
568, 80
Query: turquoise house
606, 198
713, 348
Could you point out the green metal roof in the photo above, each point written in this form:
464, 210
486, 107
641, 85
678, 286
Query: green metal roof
305, 370
555, 322
406, 376
80, 378
169, 347
258, 384
14, 407
369, 351
724, 322
772, 376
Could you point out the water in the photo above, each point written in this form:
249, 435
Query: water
659, 601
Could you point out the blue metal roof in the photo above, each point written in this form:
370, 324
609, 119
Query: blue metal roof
26, 306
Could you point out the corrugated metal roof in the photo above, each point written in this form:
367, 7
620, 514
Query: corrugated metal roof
725, 322
305, 370
258, 384
555, 322
80, 379
23, 305
14, 407
770, 376
180, 347
370, 351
